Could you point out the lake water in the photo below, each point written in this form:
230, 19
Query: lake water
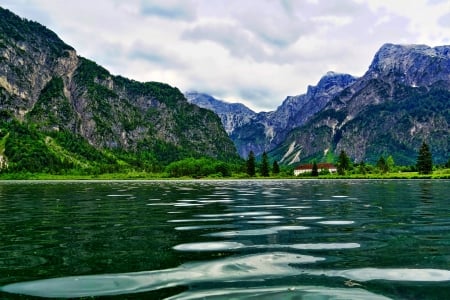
297, 239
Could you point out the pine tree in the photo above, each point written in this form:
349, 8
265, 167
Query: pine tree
424, 160
275, 168
381, 165
265, 165
343, 163
315, 170
251, 169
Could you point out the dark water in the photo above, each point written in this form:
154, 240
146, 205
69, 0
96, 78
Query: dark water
225, 240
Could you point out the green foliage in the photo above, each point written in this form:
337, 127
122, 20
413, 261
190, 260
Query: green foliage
275, 168
251, 165
197, 168
362, 169
81, 148
27, 152
343, 164
390, 164
163, 92
15, 29
424, 160
265, 165
409, 107
315, 170
381, 165
52, 109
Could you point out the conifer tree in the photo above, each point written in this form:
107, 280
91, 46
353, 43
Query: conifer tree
381, 165
315, 170
275, 168
265, 165
424, 160
251, 169
343, 163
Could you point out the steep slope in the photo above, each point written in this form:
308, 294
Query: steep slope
402, 100
259, 132
232, 115
43, 82
269, 129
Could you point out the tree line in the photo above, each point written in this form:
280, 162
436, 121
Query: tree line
424, 164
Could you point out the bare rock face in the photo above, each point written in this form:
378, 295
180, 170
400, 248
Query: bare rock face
402, 100
259, 132
232, 115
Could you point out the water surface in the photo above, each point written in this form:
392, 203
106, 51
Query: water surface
297, 239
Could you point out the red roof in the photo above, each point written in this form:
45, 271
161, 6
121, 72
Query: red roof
319, 166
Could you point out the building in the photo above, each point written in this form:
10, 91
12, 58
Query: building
307, 168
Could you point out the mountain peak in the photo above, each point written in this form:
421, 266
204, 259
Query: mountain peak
410, 64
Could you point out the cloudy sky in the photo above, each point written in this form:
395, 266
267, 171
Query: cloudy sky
252, 51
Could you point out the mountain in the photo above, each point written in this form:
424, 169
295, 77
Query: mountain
402, 100
232, 115
55, 100
266, 130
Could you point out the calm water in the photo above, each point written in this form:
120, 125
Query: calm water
225, 240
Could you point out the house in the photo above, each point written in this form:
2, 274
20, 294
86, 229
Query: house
307, 168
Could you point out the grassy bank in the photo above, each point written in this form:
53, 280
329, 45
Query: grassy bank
437, 174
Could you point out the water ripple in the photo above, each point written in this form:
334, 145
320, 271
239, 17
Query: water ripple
250, 267
280, 292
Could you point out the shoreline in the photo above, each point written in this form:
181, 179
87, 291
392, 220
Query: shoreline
154, 177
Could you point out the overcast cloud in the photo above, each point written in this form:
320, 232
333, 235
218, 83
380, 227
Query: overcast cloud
255, 51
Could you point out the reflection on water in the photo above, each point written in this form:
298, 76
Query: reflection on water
222, 240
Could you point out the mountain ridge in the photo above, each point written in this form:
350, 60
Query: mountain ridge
395, 106
264, 131
44, 83
316, 125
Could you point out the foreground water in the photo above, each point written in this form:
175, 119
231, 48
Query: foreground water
225, 240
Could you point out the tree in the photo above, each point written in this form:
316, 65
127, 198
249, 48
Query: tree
424, 160
343, 163
265, 165
251, 164
315, 170
390, 164
275, 168
362, 168
381, 165
447, 164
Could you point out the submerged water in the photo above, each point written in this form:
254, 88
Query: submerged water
225, 240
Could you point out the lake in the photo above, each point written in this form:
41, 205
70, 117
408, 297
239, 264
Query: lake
260, 239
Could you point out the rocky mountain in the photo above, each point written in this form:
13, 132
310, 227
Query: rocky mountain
402, 100
232, 115
266, 130
50, 94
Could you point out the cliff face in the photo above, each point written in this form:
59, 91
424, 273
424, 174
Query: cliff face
402, 100
43, 82
259, 132
232, 115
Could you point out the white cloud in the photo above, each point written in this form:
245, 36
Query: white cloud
169, 9
254, 51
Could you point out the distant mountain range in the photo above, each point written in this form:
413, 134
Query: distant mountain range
402, 100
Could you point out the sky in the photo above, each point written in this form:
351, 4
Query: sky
255, 52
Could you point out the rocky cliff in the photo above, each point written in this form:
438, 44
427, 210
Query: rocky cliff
232, 115
43, 82
266, 130
402, 100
